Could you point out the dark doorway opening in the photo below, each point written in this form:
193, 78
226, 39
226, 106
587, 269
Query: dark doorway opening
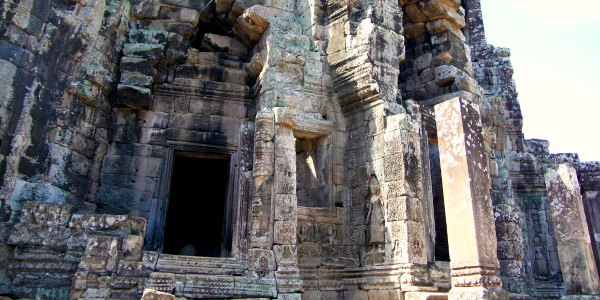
197, 205
439, 213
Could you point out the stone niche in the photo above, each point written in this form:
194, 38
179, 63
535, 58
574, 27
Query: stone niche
311, 188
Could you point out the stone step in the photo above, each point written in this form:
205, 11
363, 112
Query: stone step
425, 296
213, 73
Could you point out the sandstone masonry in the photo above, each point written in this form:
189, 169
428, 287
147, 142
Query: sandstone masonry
280, 149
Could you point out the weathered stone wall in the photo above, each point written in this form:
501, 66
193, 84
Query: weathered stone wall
326, 112
438, 60
58, 72
58, 254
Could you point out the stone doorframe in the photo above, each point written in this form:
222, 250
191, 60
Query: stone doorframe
468, 205
157, 216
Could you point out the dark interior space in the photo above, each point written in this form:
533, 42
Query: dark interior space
441, 233
195, 216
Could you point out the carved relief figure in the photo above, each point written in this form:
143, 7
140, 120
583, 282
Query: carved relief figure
374, 218
541, 264
330, 233
303, 232
540, 259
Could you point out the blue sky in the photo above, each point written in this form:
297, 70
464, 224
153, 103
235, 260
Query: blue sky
555, 48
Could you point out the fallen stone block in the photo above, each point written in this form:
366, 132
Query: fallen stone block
220, 43
150, 294
180, 14
223, 6
252, 23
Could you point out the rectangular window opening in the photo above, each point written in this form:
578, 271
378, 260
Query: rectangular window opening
197, 221
442, 252
312, 189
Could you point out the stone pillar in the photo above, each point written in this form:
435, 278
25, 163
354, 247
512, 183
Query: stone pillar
588, 174
572, 235
403, 194
261, 233
468, 205
285, 211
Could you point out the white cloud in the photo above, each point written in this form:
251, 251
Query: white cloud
563, 13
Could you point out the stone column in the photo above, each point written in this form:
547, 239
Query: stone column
572, 235
285, 211
468, 205
403, 194
261, 234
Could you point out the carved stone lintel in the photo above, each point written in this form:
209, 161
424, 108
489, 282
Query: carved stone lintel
304, 125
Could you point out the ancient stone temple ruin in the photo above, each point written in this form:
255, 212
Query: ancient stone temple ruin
283, 149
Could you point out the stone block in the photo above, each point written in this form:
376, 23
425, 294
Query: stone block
179, 29
132, 247
149, 260
223, 6
356, 295
414, 30
415, 14
286, 254
572, 234
194, 4
404, 208
422, 62
443, 25
445, 75
425, 296
131, 269
136, 79
145, 9
134, 96
398, 188
180, 15
150, 294
102, 247
285, 184
96, 293
153, 136
285, 232
285, 207
332, 295
385, 294
148, 36
289, 296
229, 45
136, 64
427, 76
439, 9
252, 23
141, 50
406, 2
